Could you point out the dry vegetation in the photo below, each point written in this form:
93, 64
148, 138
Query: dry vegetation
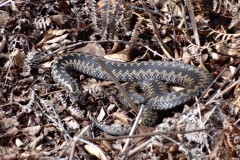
37, 120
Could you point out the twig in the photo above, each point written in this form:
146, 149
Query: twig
214, 81
6, 2
237, 122
139, 147
209, 115
223, 92
120, 87
154, 52
75, 139
223, 86
217, 96
8, 104
232, 77
133, 129
219, 92
177, 143
192, 19
194, 28
164, 48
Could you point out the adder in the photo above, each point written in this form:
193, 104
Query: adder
194, 80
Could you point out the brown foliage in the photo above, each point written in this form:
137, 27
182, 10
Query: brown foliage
37, 120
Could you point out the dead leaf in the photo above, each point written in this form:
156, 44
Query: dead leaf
122, 56
118, 146
186, 57
111, 107
25, 81
95, 151
11, 132
4, 17
57, 39
176, 9
46, 130
107, 145
227, 74
145, 129
116, 45
19, 143
71, 122
59, 19
45, 64
32, 130
2, 42
53, 36
236, 100
232, 69
107, 83
93, 49
215, 56
56, 32
36, 141
120, 116
18, 57
7, 123
101, 115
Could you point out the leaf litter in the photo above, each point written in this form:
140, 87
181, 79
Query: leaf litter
37, 118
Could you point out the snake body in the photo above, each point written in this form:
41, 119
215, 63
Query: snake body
194, 80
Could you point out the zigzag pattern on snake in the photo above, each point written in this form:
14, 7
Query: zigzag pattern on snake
193, 79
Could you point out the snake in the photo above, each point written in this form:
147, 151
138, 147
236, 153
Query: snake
193, 79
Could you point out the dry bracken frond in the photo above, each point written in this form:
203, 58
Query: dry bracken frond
92, 6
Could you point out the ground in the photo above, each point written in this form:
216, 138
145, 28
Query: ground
38, 120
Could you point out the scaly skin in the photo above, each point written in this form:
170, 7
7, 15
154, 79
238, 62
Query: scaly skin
193, 79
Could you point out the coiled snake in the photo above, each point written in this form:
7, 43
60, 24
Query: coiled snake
195, 80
